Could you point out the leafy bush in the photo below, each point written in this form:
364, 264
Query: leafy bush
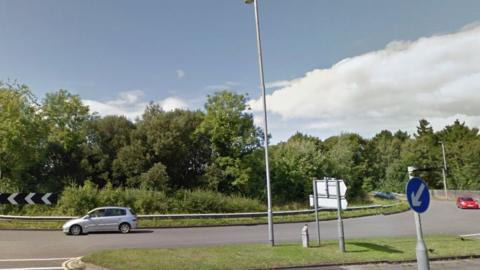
78, 200
149, 202
203, 201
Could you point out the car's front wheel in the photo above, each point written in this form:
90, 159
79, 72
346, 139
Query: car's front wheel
75, 230
124, 228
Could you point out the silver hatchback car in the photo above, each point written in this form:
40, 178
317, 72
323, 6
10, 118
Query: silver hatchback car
100, 219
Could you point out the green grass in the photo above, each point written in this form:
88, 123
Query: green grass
34, 225
264, 257
168, 223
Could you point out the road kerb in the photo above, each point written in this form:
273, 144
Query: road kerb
399, 262
78, 264
74, 264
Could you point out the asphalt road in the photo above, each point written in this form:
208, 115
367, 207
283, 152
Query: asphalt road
441, 218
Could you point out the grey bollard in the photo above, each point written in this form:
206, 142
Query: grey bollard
305, 237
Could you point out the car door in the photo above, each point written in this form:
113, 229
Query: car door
98, 220
112, 218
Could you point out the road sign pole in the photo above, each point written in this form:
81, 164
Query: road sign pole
315, 203
341, 237
421, 248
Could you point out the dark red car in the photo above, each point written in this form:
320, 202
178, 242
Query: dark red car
466, 202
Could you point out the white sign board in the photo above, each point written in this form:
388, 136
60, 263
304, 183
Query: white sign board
322, 189
329, 202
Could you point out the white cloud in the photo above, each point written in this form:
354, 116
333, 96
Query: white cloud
277, 84
128, 104
131, 105
172, 103
180, 73
437, 78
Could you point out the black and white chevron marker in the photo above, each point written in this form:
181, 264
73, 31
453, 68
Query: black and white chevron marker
28, 198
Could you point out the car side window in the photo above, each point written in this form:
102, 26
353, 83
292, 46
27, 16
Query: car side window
109, 213
115, 212
98, 213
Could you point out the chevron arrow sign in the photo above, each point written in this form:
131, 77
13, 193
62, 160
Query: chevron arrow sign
28, 198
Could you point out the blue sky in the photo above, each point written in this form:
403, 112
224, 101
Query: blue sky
122, 54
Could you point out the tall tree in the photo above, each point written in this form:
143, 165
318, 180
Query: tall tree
462, 154
382, 153
170, 138
229, 127
424, 129
294, 165
232, 135
132, 161
458, 131
105, 137
22, 138
66, 117
347, 161
424, 153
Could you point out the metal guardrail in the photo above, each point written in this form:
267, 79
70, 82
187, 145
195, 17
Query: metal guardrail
37, 218
252, 214
198, 216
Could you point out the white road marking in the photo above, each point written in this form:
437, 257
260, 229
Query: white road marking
34, 260
33, 268
470, 235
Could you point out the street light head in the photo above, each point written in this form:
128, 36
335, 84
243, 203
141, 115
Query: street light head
249, 1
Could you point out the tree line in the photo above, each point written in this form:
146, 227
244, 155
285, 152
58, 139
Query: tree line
58, 142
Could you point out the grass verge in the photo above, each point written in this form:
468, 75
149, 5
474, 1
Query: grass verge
261, 256
169, 223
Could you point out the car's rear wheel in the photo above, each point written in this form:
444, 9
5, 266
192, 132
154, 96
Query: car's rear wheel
75, 230
124, 228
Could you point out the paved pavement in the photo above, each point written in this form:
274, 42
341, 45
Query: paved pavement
441, 218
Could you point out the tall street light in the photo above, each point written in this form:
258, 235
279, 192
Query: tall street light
265, 127
444, 171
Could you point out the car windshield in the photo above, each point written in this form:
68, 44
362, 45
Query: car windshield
131, 211
467, 199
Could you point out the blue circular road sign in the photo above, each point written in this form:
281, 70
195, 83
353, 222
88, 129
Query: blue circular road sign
417, 195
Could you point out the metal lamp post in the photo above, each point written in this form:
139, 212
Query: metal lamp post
265, 127
444, 171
